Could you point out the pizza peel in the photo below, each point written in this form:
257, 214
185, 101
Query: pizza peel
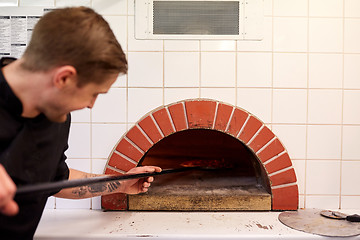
311, 221
200, 164
58, 185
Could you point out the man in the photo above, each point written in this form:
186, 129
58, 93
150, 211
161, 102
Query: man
73, 57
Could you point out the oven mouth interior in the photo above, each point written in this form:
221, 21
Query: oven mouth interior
243, 186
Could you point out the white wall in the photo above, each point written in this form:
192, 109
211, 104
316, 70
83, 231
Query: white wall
302, 80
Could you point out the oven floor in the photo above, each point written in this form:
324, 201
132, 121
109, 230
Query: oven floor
203, 191
95, 224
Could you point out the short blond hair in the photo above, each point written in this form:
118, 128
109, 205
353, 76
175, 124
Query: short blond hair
78, 37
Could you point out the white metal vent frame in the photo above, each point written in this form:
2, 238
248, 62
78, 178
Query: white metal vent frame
251, 18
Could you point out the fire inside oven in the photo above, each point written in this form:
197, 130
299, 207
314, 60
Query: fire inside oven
239, 182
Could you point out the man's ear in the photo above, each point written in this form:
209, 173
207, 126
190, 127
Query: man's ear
64, 75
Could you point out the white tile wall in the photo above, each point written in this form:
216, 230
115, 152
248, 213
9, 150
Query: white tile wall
352, 35
104, 137
9, 3
172, 95
289, 106
41, 3
290, 34
324, 106
351, 71
254, 69
326, 70
142, 100
325, 35
145, 69
322, 177
350, 149
257, 101
350, 172
79, 141
116, 98
178, 45
295, 146
352, 8
351, 112
324, 142
324, 202
119, 26
226, 95
215, 45
290, 8
68, 3
290, 70
302, 80
82, 115
218, 69
333, 8
110, 7
181, 69
350, 202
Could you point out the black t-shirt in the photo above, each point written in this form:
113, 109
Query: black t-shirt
32, 151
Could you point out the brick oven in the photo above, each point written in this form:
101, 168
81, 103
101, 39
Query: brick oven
261, 176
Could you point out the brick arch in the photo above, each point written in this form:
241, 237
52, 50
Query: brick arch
206, 114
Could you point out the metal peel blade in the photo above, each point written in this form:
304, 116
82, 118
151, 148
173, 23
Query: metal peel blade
310, 221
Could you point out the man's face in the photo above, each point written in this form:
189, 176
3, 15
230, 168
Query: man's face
75, 98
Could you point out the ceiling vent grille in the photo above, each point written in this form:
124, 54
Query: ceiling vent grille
226, 19
197, 18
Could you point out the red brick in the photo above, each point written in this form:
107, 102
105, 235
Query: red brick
117, 201
120, 163
200, 114
162, 118
237, 121
273, 149
111, 172
281, 162
251, 127
129, 150
286, 198
149, 127
264, 136
285, 177
178, 116
223, 116
137, 137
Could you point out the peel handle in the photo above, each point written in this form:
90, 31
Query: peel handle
353, 218
57, 186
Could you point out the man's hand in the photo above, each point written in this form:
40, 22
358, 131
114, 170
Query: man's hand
7, 191
135, 186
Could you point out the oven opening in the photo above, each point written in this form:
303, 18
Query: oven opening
240, 182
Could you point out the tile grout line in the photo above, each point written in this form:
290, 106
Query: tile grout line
342, 109
307, 103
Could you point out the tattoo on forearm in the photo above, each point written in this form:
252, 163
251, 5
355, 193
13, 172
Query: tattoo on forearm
113, 186
96, 188
81, 191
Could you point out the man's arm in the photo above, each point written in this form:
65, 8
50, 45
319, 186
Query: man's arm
132, 186
7, 192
